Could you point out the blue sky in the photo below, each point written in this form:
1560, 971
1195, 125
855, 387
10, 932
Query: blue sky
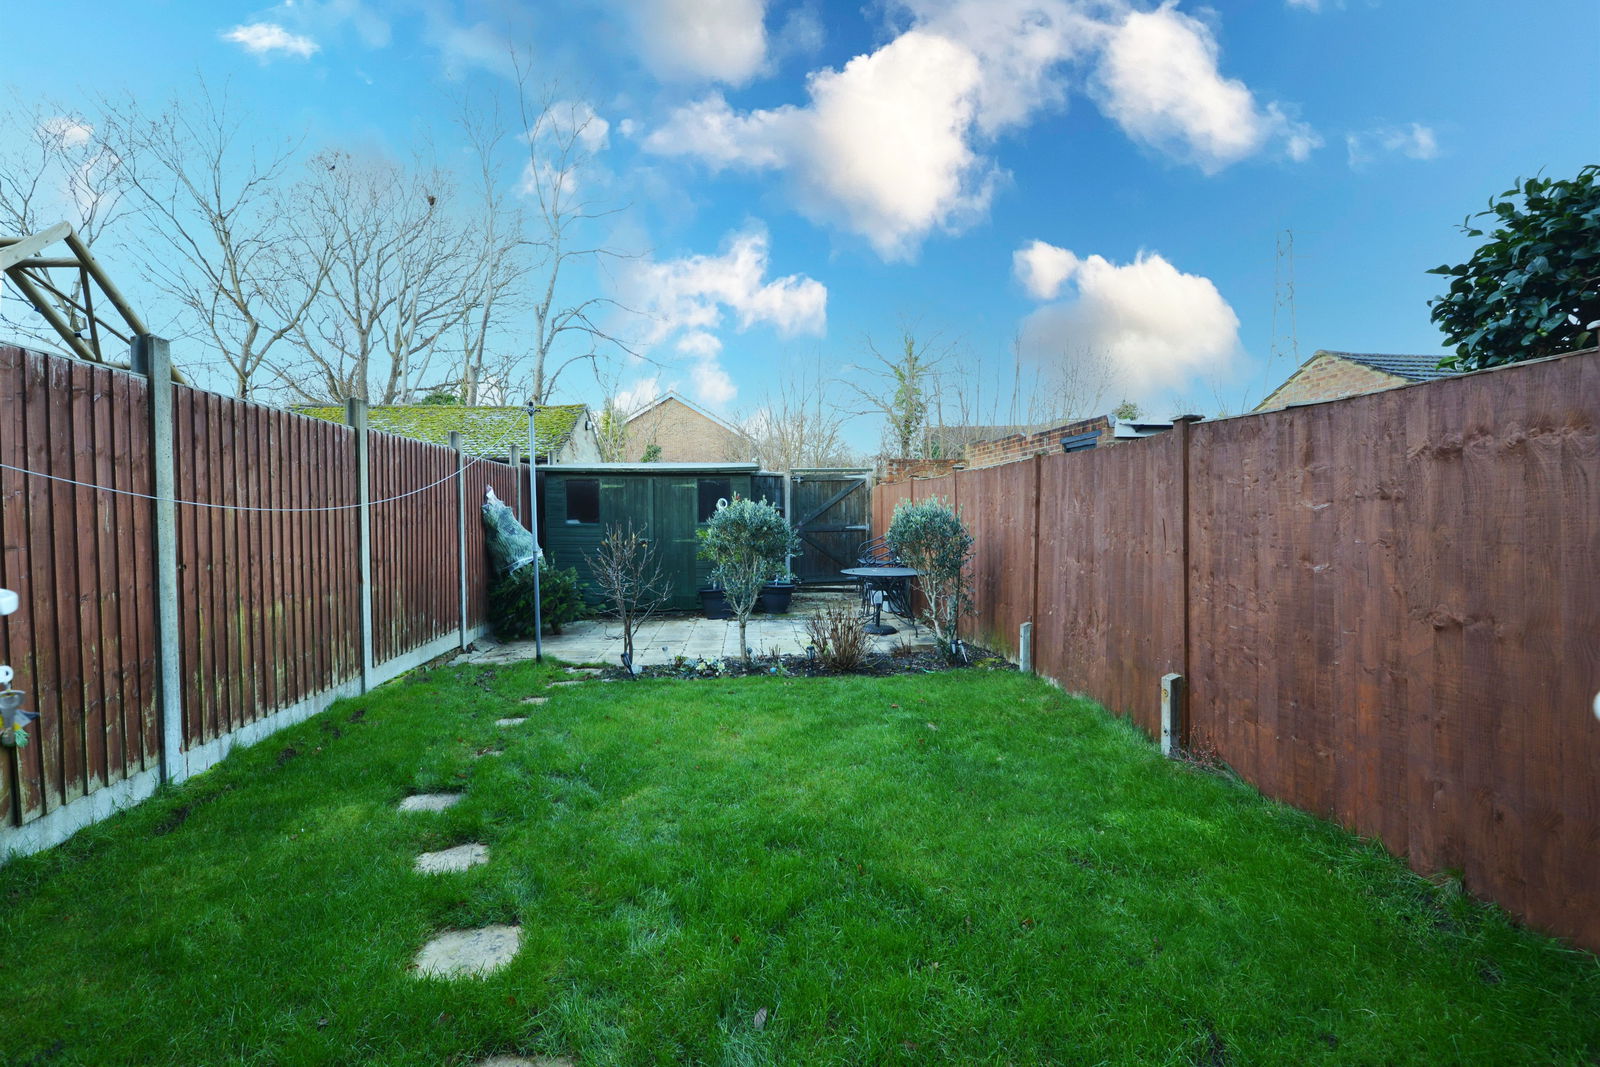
1106, 180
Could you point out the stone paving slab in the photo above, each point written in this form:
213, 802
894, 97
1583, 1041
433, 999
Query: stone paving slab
514, 721
536, 700
468, 953
524, 1061
458, 858
430, 801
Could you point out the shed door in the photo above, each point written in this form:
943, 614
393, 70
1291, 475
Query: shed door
672, 534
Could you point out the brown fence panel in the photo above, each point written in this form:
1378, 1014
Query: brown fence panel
81, 642
1396, 623
1110, 573
414, 583
267, 604
998, 505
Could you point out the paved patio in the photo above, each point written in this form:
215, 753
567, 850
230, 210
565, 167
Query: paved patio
690, 635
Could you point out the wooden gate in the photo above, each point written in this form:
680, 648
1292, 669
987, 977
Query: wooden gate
831, 512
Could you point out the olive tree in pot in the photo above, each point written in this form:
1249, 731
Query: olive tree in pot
930, 537
747, 542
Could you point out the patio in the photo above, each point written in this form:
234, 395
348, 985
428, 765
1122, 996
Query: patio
692, 636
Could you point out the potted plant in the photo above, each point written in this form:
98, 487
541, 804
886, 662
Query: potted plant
714, 602
747, 542
776, 594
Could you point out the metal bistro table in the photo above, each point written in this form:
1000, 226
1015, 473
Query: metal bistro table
878, 577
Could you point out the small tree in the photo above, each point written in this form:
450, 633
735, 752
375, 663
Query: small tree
628, 572
748, 544
1534, 289
931, 538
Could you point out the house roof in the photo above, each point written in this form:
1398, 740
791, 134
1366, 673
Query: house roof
686, 402
1411, 368
485, 431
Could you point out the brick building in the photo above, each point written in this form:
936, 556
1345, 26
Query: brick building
683, 432
1331, 375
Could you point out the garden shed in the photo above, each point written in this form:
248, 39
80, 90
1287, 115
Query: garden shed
667, 502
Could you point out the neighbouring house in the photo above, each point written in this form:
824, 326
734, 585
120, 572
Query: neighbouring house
565, 433
1331, 375
682, 432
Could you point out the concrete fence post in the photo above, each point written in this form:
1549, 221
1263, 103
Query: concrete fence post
152, 357
356, 416
461, 529
1171, 713
1025, 648
514, 458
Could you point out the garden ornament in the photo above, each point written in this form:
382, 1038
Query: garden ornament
13, 719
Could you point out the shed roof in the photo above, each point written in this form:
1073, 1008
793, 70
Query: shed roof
1411, 368
486, 431
653, 468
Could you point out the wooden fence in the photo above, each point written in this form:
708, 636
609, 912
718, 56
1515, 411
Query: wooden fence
1386, 609
268, 621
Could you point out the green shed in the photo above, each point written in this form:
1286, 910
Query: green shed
667, 502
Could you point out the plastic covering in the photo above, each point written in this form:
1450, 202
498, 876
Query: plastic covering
510, 544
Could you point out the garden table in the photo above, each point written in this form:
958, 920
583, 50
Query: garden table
880, 577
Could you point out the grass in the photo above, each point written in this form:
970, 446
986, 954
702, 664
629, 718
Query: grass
959, 868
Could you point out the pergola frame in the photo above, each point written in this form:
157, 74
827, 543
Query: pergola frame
29, 271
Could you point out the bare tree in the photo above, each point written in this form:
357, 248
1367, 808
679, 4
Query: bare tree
57, 168
221, 238
403, 271
798, 424
562, 137
629, 574
902, 390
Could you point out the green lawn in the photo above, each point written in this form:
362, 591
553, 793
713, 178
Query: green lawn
967, 867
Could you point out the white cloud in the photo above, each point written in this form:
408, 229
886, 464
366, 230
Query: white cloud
689, 298
1159, 81
1157, 326
702, 40
894, 145
1412, 140
264, 38
66, 130
1043, 268
880, 150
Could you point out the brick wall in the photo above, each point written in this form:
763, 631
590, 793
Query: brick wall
894, 470
1024, 446
1327, 377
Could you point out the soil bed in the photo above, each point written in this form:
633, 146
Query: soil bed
877, 665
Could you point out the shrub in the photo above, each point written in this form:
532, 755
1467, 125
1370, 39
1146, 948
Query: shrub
839, 635
747, 543
511, 601
931, 538
628, 573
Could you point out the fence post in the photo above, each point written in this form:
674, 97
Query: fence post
1183, 723
461, 529
356, 415
1025, 648
152, 357
1172, 731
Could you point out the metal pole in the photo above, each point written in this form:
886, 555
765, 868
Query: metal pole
356, 415
152, 357
461, 530
533, 527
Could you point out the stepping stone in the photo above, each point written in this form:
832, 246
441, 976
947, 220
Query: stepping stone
525, 1061
430, 801
452, 859
536, 700
518, 721
488, 752
575, 681
468, 953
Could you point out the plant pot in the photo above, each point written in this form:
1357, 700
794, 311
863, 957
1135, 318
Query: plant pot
775, 597
715, 604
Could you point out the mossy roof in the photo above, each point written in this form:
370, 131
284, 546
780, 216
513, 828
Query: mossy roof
485, 431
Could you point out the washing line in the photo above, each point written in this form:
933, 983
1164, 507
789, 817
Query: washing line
237, 507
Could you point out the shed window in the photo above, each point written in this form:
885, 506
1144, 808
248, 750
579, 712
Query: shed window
711, 491
583, 501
